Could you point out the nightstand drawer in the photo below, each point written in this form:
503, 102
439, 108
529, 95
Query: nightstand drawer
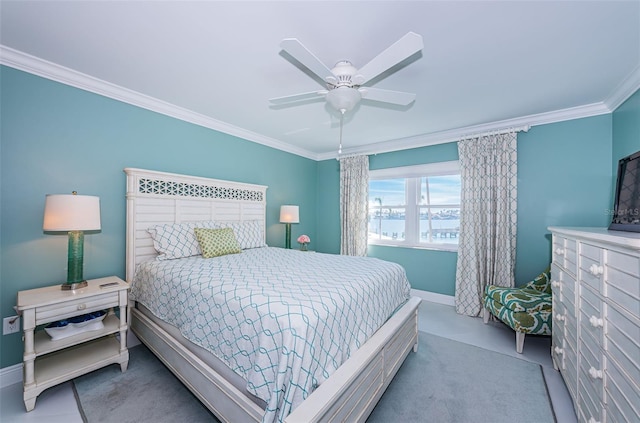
53, 312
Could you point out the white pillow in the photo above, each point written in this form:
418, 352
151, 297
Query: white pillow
249, 233
177, 240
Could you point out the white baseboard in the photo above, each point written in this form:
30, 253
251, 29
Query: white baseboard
434, 297
10, 375
132, 339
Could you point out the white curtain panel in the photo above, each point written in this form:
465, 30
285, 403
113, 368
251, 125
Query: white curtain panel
488, 218
354, 205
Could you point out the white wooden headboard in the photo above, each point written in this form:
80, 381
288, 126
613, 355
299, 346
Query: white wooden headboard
155, 198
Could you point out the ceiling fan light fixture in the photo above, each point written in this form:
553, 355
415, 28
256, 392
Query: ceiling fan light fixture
343, 98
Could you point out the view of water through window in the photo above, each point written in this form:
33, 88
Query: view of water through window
397, 205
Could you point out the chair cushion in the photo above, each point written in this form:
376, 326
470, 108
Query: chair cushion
526, 300
536, 323
542, 282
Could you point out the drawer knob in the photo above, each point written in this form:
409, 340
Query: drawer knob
558, 350
559, 251
555, 284
560, 317
82, 306
596, 270
595, 374
596, 322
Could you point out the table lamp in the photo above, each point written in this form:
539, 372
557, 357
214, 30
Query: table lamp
74, 214
288, 215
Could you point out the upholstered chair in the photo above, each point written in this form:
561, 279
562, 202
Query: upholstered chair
525, 309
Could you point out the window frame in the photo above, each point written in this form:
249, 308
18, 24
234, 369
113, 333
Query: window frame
412, 176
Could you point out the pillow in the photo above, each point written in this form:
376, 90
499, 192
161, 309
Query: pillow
217, 242
249, 233
176, 240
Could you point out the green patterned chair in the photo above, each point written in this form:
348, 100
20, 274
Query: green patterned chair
526, 309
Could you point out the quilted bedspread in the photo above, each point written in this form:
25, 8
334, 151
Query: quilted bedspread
284, 320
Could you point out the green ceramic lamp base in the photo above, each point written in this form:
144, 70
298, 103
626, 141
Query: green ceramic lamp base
287, 236
74, 262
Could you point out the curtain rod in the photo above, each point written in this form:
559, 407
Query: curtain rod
524, 128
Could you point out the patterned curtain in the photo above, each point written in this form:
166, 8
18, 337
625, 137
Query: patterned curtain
354, 205
487, 244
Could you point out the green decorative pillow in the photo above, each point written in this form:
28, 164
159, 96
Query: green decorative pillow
217, 242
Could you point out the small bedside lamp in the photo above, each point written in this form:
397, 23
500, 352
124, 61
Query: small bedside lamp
288, 215
74, 214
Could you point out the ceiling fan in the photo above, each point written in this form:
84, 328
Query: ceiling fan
345, 83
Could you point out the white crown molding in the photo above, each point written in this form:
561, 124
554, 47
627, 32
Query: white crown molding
34, 65
453, 135
622, 92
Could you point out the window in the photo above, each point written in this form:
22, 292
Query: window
415, 206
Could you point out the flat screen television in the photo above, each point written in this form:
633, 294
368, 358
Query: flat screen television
626, 208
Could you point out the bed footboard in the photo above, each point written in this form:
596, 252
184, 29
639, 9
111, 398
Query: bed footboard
350, 393
353, 390
219, 396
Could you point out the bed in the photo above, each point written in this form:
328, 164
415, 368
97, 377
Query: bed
236, 339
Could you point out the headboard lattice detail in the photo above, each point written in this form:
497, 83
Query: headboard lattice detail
182, 189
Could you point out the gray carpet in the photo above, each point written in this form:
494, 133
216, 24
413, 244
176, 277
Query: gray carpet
445, 382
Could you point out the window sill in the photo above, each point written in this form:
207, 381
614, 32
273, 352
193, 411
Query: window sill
453, 248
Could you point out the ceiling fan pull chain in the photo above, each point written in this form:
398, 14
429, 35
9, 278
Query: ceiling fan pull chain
341, 120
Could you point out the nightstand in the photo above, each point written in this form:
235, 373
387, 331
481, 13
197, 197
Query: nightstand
48, 362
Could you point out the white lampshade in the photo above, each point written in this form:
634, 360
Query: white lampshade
71, 212
289, 214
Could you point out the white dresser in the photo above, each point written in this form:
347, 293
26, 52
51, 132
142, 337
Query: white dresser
595, 278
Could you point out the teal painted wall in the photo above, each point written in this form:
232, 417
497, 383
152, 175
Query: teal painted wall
564, 178
328, 212
626, 129
55, 139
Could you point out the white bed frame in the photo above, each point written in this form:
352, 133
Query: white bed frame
350, 393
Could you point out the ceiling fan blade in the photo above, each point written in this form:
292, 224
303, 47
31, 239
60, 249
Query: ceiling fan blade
406, 46
299, 52
387, 96
298, 97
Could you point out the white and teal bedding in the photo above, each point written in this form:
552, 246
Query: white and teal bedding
284, 320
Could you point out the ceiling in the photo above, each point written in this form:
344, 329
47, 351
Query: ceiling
485, 65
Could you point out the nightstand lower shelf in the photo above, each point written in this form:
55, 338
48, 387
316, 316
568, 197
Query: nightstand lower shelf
67, 364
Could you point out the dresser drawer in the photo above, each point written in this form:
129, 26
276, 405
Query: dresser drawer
570, 257
63, 310
624, 290
591, 315
589, 273
625, 262
623, 397
564, 253
590, 353
570, 372
623, 342
590, 395
571, 332
557, 352
590, 251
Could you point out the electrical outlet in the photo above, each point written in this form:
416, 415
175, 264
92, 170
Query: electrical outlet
8, 327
